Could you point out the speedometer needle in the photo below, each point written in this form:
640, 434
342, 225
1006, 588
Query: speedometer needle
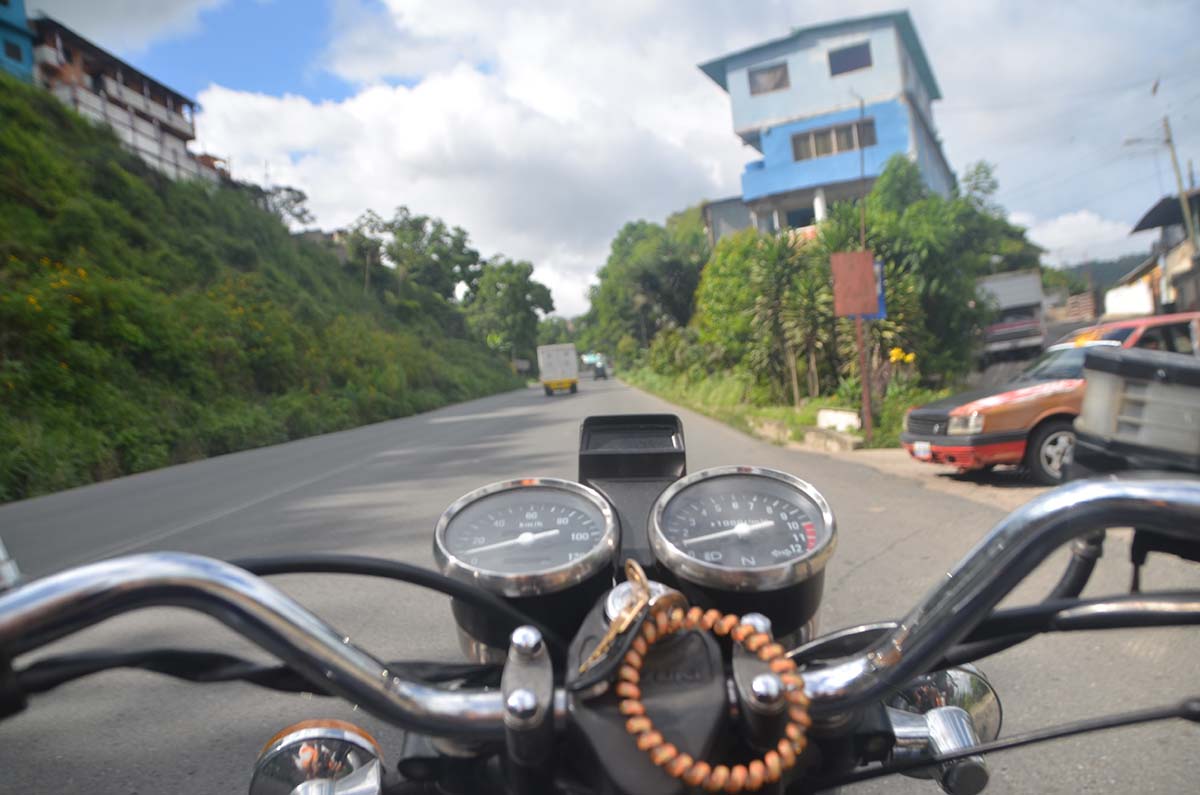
739, 529
525, 539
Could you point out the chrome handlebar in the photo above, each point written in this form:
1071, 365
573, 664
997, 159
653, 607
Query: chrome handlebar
42, 611
45, 610
1004, 557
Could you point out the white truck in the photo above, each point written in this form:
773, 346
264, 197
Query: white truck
558, 367
1020, 326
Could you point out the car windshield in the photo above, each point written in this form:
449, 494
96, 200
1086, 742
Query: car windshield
1053, 365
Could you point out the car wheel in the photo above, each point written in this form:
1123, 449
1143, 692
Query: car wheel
549, 391
1050, 451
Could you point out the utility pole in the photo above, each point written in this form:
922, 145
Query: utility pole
864, 369
1188, 221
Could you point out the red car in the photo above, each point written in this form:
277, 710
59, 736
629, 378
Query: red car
1030, 421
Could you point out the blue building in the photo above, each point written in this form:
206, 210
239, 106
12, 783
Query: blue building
17, 40
827, 106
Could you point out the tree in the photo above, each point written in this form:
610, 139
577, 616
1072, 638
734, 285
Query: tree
807, 312
933, 248
649, 280
725, 299
365, 247
503, 309
290, 204
430, 254
554, 330
777, 264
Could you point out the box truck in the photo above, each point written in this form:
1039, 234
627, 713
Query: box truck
558, 367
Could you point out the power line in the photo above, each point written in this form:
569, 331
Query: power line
1037, 182
1075, 96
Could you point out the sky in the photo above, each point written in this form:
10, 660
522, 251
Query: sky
543, 126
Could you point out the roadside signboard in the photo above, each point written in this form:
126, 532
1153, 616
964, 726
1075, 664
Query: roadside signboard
858, 293
855, 288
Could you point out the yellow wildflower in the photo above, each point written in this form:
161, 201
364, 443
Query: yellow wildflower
896, 354
909, 358
82, 273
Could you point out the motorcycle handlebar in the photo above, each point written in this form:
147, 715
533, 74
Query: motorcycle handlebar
45, 610
1015, 547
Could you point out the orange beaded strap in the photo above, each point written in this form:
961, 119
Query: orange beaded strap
679, 765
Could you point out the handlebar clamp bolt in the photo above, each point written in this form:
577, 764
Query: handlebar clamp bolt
521, 704
766, 689
526, 641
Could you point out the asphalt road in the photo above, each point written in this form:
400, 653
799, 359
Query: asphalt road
379, 490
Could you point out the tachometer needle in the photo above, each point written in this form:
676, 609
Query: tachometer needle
525, 539
739, 529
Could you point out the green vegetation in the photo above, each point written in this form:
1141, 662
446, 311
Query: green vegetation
145, 322
761, 339
1104, 274
647, 284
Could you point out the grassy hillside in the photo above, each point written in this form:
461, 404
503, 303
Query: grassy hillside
145, 322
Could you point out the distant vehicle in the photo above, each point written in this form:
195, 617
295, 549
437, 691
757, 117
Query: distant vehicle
558, 368
599, 369
1020, 328
1030, 421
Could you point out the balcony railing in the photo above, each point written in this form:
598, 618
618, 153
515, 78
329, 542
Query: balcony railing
136, 100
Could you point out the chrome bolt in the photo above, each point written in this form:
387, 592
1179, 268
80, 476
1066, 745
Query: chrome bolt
766, 689
526, 641
757, 620
521, 704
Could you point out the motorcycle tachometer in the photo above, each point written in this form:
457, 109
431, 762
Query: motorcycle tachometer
746, 538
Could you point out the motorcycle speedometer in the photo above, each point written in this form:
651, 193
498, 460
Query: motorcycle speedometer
744, 539
543, 543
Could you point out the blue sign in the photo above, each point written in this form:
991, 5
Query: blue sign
880, 313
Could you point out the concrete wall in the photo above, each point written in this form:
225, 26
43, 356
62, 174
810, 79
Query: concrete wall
930, 159
913, 85
165, 152
22, 68
726, 217
779, 172
812, 90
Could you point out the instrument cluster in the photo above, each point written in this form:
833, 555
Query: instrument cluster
739, 538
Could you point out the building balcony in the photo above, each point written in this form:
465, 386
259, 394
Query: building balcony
761, 180
176, 122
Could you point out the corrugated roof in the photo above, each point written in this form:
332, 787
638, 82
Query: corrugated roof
1167, 212
715, 69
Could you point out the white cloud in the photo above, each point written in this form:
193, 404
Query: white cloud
125, 24
1081, 235
541, 126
